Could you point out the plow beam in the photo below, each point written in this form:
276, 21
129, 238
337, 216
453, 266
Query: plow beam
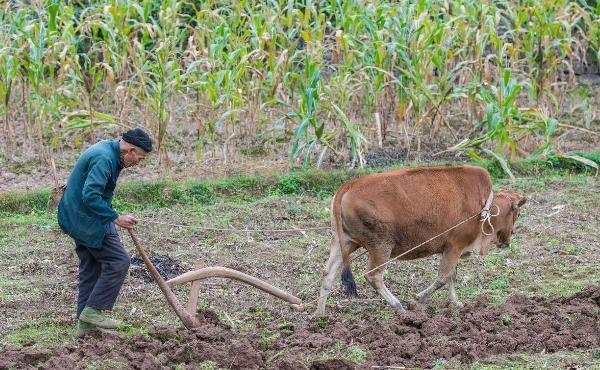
224, 272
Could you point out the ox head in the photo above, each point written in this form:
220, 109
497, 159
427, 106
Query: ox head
509, 204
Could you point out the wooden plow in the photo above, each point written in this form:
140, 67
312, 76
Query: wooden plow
187, 313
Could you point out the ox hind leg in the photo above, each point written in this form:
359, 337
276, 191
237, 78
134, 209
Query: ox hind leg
447, 272
376, 258
452, 289
331, 270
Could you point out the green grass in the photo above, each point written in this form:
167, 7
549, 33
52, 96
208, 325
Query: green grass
356, 354
560, 360
495, 280
139, 195
11, 282
24, 202
43, 335
208, 365
342, 350
34, 218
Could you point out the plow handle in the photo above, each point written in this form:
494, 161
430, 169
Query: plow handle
188, 319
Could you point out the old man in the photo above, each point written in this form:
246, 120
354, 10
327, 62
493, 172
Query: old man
85, 213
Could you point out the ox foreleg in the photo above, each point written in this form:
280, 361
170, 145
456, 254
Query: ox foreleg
448, 263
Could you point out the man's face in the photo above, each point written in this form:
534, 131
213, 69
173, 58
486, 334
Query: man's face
132, 156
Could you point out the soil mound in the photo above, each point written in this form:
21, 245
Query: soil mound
413, 339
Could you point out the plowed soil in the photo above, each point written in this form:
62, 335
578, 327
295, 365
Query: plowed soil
413, 339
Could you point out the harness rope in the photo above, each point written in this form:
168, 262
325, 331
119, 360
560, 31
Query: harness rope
487, 219
237, 230
486, 214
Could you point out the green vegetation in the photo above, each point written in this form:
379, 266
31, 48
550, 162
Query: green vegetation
320, 76
559, 360
164, 193
356, 354
44, 335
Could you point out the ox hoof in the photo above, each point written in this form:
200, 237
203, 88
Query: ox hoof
318, 314
398, 308
457, 303
421, 297
298, 307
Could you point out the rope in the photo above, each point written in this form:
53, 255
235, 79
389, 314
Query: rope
486, 217
238, 230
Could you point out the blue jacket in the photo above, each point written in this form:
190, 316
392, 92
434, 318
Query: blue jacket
86, 206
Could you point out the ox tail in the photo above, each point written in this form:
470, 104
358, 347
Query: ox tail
348, 282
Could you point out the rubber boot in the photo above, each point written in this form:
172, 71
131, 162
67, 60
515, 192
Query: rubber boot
82, 328
95, 317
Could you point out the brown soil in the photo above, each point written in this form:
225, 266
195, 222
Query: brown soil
414, 339
166, 266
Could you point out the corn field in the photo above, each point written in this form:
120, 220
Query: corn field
317, 78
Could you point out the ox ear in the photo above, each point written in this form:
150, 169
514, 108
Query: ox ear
516, 206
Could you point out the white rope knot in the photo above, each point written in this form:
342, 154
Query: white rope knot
486, 218
486, 214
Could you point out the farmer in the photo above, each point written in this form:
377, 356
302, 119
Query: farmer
85, 213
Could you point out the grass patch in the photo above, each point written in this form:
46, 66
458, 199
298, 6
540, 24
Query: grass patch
11, 282
559, 360
208, 365
43, 335
34, 218
356, 354
543, 167
165, 193
25, 202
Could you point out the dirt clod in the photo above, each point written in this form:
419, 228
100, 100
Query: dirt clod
334, 364
416, 338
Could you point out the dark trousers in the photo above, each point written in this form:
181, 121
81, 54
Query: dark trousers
101, 272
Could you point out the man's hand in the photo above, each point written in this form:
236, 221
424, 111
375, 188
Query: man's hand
127, 221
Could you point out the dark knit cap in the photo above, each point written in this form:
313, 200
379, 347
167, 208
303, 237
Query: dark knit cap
139, 138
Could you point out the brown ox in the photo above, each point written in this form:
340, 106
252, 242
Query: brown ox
390, 213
